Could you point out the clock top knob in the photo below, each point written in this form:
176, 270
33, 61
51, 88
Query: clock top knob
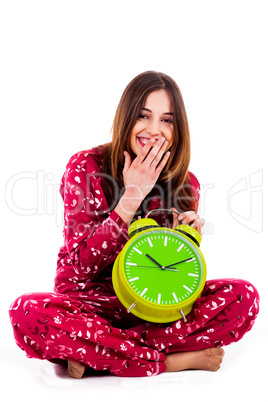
141, 224
191, 232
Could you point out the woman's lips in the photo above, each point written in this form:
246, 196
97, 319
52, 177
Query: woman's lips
144, 140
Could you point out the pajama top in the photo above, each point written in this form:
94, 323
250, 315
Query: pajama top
93, 235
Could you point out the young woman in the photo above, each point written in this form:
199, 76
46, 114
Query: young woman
104, 189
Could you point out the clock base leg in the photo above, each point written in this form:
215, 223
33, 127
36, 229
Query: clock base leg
183, 316
132, 306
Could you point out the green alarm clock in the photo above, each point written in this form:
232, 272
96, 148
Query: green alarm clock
160, 272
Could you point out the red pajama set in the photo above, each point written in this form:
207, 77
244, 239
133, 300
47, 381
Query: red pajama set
83, 320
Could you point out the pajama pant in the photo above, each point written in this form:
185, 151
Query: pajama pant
56, 326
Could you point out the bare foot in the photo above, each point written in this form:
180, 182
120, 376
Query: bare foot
75, 369
205, 359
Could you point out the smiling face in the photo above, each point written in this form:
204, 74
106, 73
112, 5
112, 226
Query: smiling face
155, 121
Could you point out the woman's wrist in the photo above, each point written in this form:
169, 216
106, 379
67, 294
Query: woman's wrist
128, 204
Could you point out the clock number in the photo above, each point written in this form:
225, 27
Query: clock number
134, 279
138, 251
175, 297
188, 289
179, 249
149, 241
144, 291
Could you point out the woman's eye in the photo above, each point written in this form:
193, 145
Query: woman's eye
168, 121
143, 116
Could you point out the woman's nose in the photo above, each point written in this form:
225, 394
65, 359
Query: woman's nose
153, 127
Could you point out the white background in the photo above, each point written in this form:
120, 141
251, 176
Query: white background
64, 66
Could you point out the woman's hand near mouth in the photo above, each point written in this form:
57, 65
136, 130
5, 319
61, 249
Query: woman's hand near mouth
141, 175
144, 171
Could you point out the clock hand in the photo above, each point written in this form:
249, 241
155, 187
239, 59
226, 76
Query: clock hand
179, 262
157, 263
150, 266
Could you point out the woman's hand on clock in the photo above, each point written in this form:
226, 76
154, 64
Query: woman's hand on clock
188, 218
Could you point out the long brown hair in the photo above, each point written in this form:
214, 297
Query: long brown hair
175, 174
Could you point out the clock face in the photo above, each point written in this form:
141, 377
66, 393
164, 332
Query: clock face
163, 267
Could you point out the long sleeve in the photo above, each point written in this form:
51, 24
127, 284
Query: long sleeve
194, 183
93, 235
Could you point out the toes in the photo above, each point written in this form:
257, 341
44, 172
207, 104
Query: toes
216, 352
75, 369
215, 358
219, 353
